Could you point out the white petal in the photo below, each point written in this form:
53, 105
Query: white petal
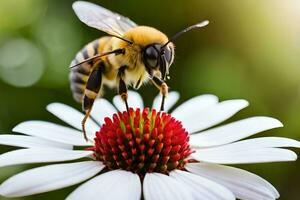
30, 142
134, 101
198, 120
170, 101
202, 188
258, 143
73, 117
243, 184
233, 131
241, 156
101, 109
158, 186
25, 156
113, 185
48, 178
52, 132
194, 104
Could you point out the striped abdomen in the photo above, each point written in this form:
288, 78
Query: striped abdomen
80, 74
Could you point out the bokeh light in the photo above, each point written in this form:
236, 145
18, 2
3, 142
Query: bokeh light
60, 40
21, 63
16, 14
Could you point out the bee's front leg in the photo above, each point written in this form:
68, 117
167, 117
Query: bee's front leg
91, 91
123, 87
163, 87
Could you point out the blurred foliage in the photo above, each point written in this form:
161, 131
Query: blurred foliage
250, 50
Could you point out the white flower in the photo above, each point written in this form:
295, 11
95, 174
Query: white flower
208, 178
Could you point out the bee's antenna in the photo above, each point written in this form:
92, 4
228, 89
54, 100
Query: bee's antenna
198, 25
117, 52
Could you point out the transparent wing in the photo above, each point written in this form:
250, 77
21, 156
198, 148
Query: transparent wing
100, 18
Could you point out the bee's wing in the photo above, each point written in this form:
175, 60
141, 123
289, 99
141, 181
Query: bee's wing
100, 18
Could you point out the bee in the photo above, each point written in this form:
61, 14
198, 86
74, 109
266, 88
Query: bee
129, 56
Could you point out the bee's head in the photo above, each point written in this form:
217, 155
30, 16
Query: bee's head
156, 48
158, 57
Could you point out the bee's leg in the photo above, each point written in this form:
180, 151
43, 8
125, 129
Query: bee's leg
123, 87
92, 89
163, 87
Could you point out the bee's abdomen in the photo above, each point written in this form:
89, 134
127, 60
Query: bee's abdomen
80, 74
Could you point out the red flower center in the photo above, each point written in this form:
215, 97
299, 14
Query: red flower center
142, 141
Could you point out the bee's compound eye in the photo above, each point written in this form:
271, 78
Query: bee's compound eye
168, 54
151, 56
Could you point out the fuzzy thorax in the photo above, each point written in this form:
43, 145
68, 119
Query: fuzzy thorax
141, 37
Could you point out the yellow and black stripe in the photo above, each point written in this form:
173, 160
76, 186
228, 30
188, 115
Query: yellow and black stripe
93, 87
79, 75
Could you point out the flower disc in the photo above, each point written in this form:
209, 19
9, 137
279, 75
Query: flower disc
142, 141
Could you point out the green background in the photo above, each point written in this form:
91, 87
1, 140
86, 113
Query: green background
250, 50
